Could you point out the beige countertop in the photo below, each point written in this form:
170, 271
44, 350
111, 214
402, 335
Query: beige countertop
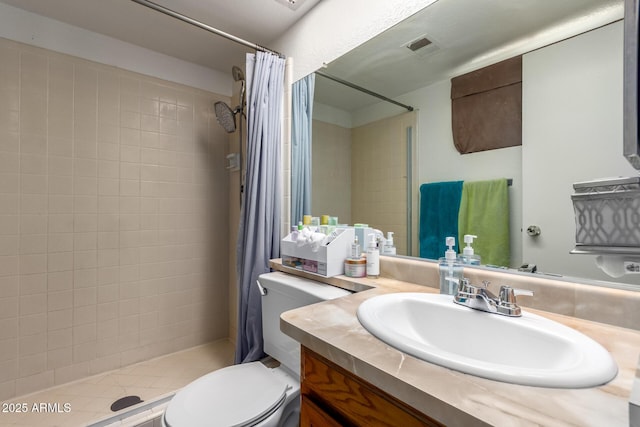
332, 329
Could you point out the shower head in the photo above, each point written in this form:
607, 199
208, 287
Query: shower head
237, 73
226, 116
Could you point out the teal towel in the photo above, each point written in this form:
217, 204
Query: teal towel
439, 205
484, 212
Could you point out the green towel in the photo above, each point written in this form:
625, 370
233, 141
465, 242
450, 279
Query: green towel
484, 212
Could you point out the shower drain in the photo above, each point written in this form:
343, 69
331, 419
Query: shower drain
125, 402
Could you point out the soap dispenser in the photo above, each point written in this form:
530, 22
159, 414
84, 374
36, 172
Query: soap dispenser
389, 248
450, 269
468, 255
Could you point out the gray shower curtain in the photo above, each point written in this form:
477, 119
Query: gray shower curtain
301, 128
259, 230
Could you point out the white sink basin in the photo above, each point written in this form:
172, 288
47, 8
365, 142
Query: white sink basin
527, 350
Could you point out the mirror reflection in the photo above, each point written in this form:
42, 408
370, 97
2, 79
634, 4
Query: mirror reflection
370, 157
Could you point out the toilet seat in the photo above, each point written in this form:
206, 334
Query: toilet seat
240, 395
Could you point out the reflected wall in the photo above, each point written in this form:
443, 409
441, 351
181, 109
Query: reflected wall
331, 172
360, 174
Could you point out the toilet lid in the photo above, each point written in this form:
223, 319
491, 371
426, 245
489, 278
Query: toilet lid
238, 395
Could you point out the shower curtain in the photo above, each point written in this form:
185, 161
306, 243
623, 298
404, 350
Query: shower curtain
259, 230
301, 125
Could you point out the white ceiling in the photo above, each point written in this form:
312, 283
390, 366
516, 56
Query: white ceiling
466, 35
257, 21
463, 32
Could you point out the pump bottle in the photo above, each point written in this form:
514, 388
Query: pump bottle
388, 248
450, 269
373, 258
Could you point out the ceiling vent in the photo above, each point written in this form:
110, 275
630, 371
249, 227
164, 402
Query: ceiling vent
291, 4
419, 44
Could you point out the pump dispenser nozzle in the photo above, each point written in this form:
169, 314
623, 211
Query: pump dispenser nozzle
450, 254
468, 255
468, 239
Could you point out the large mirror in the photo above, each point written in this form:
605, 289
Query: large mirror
572, 121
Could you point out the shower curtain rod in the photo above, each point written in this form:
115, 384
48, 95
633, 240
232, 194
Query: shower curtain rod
206, 27
361, 89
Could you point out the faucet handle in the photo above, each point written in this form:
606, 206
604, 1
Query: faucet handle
508, 294
464, 284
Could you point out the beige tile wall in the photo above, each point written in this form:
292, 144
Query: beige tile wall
112, 234
331, 171
378, 176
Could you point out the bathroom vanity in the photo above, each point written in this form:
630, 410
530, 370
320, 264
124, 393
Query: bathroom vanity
350, 377
333, 396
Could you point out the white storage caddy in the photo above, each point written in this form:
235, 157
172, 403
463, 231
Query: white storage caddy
327, 261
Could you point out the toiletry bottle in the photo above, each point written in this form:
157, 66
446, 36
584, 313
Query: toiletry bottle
373, 258
389, 248
355, 249
450, 269
362, 231
315, 224
468, 255
356, 264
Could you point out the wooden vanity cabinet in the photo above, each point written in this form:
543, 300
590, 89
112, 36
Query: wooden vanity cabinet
334, 397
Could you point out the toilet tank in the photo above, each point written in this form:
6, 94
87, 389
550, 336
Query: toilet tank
286, 292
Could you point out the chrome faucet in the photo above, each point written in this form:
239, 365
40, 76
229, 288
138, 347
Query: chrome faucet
481, 298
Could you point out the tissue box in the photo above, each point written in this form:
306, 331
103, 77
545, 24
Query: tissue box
327, 261
607, 215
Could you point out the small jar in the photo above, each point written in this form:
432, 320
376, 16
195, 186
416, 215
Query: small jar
355, 267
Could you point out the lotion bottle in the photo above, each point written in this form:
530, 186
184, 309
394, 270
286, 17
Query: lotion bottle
373, 258
389, 248
450, 269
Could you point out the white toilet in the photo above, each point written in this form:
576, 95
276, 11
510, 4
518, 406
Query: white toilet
252, 394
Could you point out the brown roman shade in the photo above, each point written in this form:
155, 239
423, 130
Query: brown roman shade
486, 107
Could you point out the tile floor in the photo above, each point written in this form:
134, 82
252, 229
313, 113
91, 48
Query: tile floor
88, 401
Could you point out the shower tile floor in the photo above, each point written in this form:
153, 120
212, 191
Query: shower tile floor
90, 399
